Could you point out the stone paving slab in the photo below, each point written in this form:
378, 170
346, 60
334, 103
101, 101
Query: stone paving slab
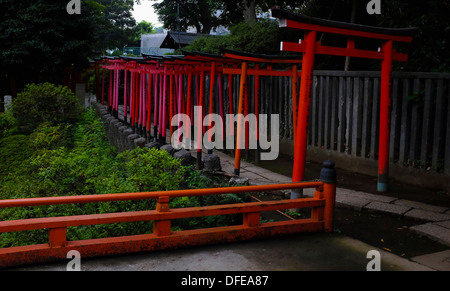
227, 167
373, 197
259, 170
438, 261
445, 224
387, 208
343, 191
251, 176
274, 177
420, 205
434, 232
355, 203
426, 215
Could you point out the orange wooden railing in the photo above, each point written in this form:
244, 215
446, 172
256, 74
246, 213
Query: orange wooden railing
322, 209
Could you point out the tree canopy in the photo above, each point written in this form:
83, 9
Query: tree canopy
143, 27
205, 15
192, 13
39, 39
427, 52
430, 46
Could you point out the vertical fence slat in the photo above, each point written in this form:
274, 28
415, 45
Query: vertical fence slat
327, 114
320, 114
291, 115
267, 95
375, 119
334, 110
414, 140
349, 111
405, 122
313, 116
366, 119
426, 122
279, 104
286, 107
341, 116
357, 106
447, 137
438, 126
394, 121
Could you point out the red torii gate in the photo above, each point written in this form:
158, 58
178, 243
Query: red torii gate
310, 47
216, 65
244, 71
168, 76
139, 98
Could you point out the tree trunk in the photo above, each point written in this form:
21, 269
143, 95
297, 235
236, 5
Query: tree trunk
205, 16
250, 11
13, 87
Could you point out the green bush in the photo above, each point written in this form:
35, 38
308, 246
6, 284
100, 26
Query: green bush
89, 133
62, 160
46, 166
152, 169
14, 151
46, 136
45, 102
8, 124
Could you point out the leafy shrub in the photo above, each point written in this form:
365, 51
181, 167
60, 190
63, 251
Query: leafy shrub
89, 133
8, 124
57, 160
152, 169
14, 150
45, 103
46, 136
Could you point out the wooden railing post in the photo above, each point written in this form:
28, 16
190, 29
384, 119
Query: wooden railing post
252, 219
162, 227
317, 212
328, 177
57, 237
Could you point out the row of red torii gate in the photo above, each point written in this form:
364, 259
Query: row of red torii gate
155, 88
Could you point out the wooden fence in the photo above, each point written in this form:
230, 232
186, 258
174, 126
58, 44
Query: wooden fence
345, 114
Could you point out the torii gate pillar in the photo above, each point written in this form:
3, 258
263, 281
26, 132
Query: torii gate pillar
304, 104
